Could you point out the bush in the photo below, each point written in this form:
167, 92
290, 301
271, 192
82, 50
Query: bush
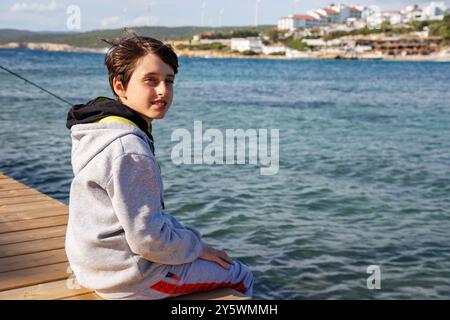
278, 53
274, 35
204, 46
182, 46
296, 44
233, 34
249, 53
441, 28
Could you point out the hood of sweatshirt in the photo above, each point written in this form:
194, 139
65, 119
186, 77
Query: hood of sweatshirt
89, 137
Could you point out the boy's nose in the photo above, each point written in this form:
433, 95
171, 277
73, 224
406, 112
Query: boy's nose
161, 89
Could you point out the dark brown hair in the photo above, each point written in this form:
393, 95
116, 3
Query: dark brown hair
124, 53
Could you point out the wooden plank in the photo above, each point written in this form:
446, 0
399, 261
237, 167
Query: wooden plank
32, 276
33, 224
217, 294
31, 206
17, 193
24, 199
33, 214
35, 234
32, 260
44, 291
13, 187
86, 296
4, 182
16, 249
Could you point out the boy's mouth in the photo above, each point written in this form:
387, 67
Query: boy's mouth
160, 104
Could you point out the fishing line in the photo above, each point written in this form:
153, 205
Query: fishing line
37, 86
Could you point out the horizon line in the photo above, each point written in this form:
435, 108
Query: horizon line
125, 27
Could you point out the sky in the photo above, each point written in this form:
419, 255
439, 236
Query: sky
86, 15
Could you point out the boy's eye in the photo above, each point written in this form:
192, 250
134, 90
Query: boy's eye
151, 80
154, 81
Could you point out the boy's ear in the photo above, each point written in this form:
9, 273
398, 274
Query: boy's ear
119, 87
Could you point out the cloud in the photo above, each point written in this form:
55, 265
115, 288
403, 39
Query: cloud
145, 21
109, 21
34, 7
117, 22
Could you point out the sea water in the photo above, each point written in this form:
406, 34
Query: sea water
364, 164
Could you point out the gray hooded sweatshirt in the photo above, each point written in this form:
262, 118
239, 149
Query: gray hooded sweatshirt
119, 240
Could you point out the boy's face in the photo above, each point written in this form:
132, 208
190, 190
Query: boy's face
150, 89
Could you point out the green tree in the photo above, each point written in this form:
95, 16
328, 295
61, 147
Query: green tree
296, 44
441, 28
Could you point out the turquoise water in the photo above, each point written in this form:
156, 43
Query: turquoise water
364, 173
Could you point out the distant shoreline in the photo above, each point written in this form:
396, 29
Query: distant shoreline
220, 55
57, 47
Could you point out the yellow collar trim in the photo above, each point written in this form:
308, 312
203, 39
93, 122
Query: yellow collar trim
121, 120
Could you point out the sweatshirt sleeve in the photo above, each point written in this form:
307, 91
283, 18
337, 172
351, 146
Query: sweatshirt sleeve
134, 189
176, 223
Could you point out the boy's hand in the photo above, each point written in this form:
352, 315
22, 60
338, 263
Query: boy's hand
218, 256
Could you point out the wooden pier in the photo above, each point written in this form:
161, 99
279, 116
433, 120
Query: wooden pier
401, 45
33, 262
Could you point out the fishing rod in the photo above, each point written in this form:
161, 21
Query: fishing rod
37, 86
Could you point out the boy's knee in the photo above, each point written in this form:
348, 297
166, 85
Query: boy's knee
247, 271
243, 270
245, 275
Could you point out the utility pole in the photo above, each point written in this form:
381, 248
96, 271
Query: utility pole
220, 16
203, 12
295, 6
257, 12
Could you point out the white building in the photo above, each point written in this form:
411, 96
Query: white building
370, 11
247, 44
344, 13
435, 10
226, 42
273, 49
333, 14
375, 20
354, 15
322, 43
319, 19
413, 13
295, 54
320, 15
356, 12
290, 23
293, 22
355, 23
341, 13
286, 23
394, 17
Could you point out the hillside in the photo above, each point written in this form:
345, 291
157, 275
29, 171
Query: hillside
92, 39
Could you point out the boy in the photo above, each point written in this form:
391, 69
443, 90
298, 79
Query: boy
120, 242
